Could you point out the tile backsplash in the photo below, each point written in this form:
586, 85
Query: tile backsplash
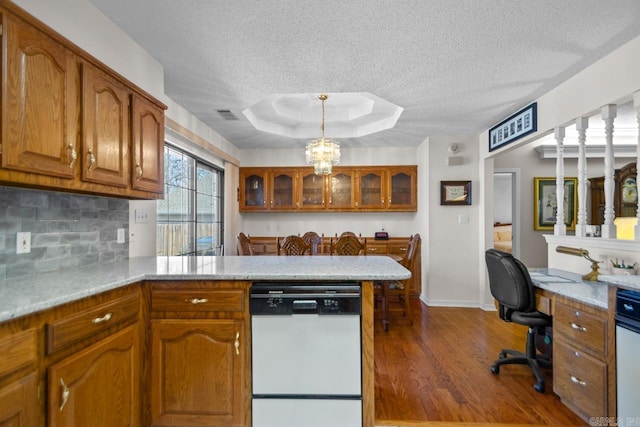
67, 230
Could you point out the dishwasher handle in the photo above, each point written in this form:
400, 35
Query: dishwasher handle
305, 306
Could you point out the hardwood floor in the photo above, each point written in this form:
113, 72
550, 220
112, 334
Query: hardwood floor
436, 373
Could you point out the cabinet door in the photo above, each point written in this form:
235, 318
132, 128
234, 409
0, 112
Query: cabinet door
98, 386
372, 189
39, 104
342, 190
313, 190
402, 187
148, 146
198, 373
284, 185
105, 128
253, 189
19, 405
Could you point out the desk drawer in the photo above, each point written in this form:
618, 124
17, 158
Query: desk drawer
579, 379
198, 300
582, 328
61, 333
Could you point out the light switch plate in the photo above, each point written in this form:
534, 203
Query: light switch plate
141, 217
120, 235
23, 242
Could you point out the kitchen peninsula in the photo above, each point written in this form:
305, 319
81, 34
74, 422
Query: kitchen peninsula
128, 328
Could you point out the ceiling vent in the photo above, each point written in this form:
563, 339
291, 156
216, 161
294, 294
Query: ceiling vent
227, 114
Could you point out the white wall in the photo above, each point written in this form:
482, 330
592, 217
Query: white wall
502, 203
451, 279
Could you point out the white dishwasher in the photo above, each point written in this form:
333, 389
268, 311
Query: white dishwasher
306, 355
627, 351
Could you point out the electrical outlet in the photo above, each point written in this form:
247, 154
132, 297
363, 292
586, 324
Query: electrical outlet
120, 238
23, 242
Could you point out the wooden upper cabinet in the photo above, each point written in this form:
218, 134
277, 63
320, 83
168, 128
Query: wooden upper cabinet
372, 189
363, 189
147, 130
402, 188
39, 108
253, 189
313, 190
284, 189
341, 189
105, 130
68, 122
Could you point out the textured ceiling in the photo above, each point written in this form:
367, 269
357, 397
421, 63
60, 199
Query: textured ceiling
456, 67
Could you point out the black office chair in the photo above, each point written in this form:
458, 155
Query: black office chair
511, 286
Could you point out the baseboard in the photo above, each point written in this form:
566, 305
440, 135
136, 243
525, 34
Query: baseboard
451, 303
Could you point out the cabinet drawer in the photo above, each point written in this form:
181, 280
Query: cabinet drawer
579, 379
61, 333
580, 327
195, 300
18, 350
376, 248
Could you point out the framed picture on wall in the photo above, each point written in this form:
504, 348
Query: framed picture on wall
545, 204
455, 192
514, 127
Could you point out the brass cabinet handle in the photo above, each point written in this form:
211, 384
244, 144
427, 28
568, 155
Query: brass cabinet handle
92, 160
236, 343
196, 301
372, 249
577, 380
138, 171
73, 155
65, 394
103, 319
578, 327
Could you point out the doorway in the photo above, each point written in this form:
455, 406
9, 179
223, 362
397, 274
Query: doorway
506, 203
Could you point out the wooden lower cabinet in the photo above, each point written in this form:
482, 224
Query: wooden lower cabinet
99, 385
198, 372
19, 404
583, 358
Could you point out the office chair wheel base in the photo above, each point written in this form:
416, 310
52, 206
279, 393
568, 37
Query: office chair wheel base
495, 369
539, 387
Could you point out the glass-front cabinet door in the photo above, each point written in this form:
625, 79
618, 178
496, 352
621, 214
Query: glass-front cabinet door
341, 189
371, 189
283, 189
253, 189
402, 186
313, 190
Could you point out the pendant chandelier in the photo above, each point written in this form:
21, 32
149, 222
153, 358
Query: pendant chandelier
323, 152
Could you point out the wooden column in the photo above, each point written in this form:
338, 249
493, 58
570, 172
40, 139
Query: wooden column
582, 124
609, 113
560, 228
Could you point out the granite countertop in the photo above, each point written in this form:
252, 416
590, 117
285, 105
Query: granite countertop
23, 296
572, 286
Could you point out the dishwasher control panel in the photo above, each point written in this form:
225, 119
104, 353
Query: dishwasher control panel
309, 298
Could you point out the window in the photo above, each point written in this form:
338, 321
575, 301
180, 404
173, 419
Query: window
190, 215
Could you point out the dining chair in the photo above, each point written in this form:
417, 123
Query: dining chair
314, 240
347, 245
244, 245
293, 245
398, 293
